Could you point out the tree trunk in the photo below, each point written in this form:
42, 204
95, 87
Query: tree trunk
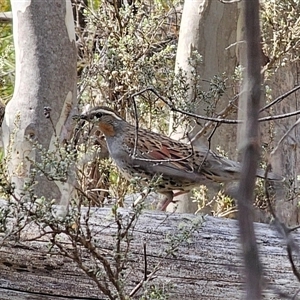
210, 28
206, 266
285, 161
45, 48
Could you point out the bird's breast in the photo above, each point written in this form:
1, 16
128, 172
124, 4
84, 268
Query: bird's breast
107, 129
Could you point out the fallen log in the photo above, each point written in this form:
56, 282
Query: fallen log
204, 264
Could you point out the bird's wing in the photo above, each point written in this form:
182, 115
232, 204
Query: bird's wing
159, 154
220, 169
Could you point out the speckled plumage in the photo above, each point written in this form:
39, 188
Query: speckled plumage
180, 166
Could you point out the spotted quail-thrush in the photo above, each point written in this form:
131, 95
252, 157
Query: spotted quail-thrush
180, 166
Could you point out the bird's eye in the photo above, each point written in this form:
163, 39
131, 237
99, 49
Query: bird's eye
98, 115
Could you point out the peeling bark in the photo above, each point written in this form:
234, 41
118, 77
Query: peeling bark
44, 39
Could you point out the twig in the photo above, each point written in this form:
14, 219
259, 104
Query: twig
173, 108
136, 133
268, 169
146, 277
136, 141
217, 120
280, 98
291, 246
284, 136
145, 261
277, 117
283, 230
6, 17
209, 146
224, 112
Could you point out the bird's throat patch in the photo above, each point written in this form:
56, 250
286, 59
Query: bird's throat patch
107, 129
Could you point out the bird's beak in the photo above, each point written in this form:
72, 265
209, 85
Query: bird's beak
79, 117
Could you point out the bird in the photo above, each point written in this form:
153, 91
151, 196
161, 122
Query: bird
143, 153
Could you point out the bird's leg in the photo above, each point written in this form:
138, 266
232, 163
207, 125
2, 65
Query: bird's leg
169, 198
162, 205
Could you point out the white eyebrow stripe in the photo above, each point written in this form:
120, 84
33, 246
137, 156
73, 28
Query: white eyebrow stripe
105, 111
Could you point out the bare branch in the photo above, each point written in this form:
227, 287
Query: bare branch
253, 267
217, 119
278, 117
284, 136
6, 17
280, 98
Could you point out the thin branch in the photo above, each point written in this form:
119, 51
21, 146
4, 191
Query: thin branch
217, 120
280, 98
145, 261
136, 141
6, 17
284, 136
278, 117
222, 113
173, 108
136, 132
146, 277
252, 83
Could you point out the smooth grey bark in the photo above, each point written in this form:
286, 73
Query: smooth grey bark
210, 28
44, 39
208, 266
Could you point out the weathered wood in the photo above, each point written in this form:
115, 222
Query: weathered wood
209, 266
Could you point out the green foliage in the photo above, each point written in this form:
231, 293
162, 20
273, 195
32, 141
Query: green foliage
94, 4
280, 31
7, 58
220, 205
126, 50
5, 5
7, 62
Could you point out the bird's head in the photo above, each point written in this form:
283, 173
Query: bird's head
107, 119
99, 114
